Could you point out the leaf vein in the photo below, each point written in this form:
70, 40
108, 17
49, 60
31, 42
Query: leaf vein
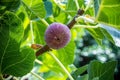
4, 53
17, 62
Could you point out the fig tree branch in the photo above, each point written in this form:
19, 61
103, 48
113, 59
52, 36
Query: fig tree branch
46, 48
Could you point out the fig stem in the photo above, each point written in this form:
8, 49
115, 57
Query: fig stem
85, 19
61, 65
38, 61
36, 75
45, 48
79, 13
85, 26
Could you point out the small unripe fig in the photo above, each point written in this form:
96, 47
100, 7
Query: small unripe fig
57, 35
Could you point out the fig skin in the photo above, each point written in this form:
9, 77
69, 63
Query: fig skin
57, 35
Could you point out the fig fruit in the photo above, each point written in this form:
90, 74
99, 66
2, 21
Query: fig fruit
57, 35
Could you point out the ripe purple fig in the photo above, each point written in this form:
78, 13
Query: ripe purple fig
57, 35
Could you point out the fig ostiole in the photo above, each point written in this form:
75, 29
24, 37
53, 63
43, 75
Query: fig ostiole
57, 35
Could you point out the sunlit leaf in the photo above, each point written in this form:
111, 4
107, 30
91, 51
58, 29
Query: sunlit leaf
53, 76
63, 55
64, 18
35, 7
71, 6
67, 53
97, 34
39, 31
108, 13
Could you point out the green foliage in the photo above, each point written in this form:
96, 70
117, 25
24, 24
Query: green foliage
19, 64
104, 14
112, 34
39, 30
97, 34
13, 59
65, 55
64, 18
11, 5
35, 8
22, 23
105, 32
96, 6
85, 77
79, 71
108, 13
101, 71
71, 6
96, 71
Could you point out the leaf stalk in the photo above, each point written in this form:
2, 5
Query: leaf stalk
61, 65
77, 5
36, 75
